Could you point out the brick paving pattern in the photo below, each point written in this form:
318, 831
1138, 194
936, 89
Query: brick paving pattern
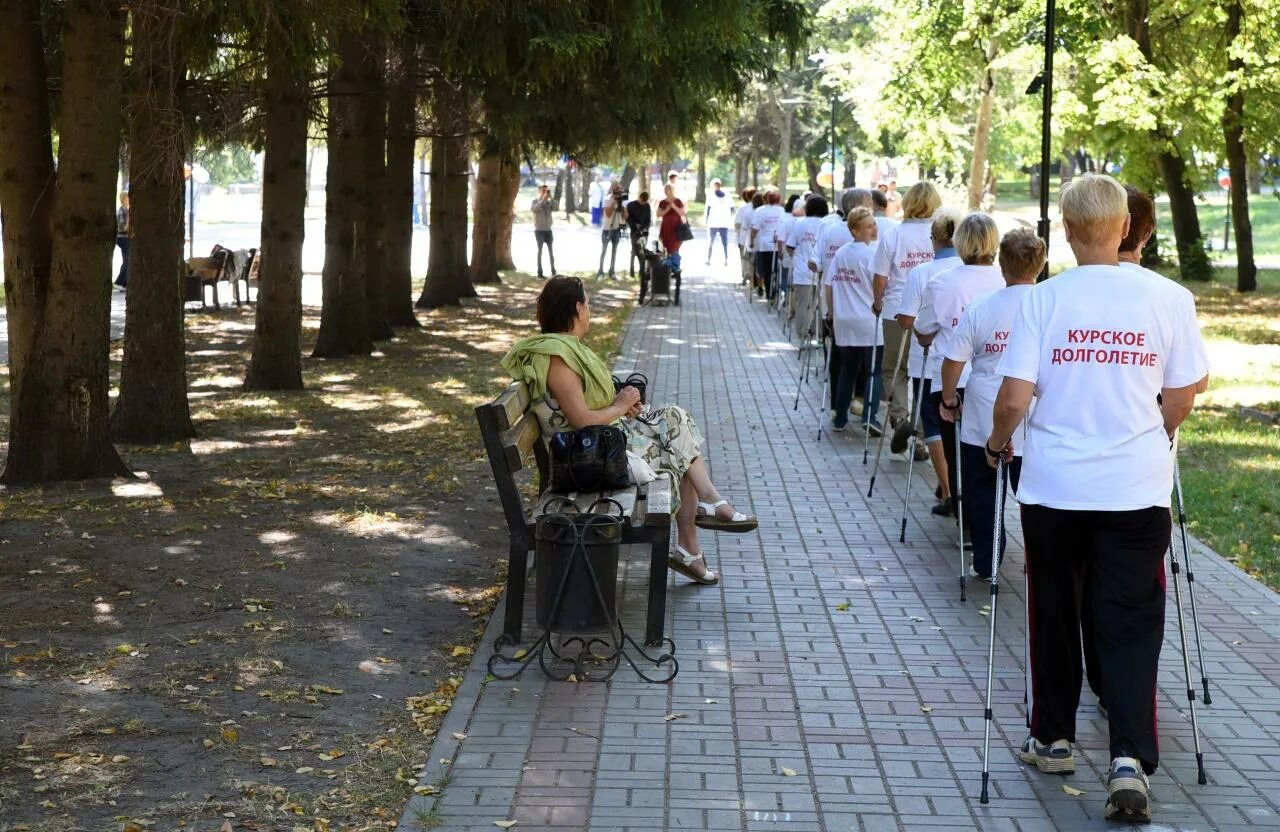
778, 676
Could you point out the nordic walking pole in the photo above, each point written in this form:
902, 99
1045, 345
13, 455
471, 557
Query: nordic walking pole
826, 385
911, 456
991, 642
872, 372
960, 505
1191, 578
902, 349
806, 358
1175, 568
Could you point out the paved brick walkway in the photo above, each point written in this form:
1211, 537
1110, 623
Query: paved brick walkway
877, 707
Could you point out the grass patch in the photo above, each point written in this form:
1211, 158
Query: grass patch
1230, 465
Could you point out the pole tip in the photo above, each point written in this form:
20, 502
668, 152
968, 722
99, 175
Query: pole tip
985, 799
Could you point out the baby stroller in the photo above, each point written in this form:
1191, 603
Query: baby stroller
657, 276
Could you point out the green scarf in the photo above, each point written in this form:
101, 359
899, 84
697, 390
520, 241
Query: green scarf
530, 359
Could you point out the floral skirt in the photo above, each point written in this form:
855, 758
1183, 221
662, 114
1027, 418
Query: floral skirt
668, 439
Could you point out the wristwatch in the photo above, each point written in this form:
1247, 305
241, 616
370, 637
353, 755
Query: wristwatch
990, 453
955, 406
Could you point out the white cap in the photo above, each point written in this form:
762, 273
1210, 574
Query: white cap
672, 173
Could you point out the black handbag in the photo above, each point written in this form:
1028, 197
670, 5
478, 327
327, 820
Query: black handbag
589, 459
636, 380
683, 232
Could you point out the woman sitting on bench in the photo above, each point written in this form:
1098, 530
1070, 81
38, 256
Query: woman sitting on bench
572, 388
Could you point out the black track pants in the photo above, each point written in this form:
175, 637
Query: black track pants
1114, 560
980, 501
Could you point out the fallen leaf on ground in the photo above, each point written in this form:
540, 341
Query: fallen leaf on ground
916, 619
842, 606
788, 772
926, 708
461, 651
1071, 791
426, 790
459, 736
267, 761
504, 824
673, 717
713, 701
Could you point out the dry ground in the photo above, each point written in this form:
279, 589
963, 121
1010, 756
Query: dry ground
266, 626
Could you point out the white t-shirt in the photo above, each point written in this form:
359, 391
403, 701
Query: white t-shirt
942, 304
803, 237
765, 222
909, 304
1199, 344
834, 234
1099, 343
883, 224
902, 248
744, 225
849, 276
719, 210
979, 340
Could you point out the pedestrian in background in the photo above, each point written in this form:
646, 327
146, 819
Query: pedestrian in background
542, 209
719, 219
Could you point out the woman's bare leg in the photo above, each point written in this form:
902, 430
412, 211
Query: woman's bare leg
706, 489
686, 530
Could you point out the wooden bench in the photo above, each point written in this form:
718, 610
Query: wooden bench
511, 436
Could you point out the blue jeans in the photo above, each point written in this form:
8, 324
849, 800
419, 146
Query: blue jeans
723, 233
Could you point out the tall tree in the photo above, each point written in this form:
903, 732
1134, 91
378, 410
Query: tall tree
486, 209
448, 278
152, 405
344, 320
1237, 158
59, 235
373, 216
401, 172
276, 362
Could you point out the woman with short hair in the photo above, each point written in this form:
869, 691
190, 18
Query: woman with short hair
571, 388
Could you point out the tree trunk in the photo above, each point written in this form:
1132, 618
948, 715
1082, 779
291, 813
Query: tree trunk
1068, 168
422, 174
584, 191
740, 172
373, 220
628, 177
561, 179
508, 192
59, 412
26, 157
1237, 159
784, 152
814, 167
700, 193
276, 363
982, 130
1193, 260
755, 170
484, 214
570, 200
398, 189
152, 407
344, 324
448, 278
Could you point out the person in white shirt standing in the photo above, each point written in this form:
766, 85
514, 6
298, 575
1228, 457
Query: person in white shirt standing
901, 249
942, 230
847, 287
880, 204
977, 240
719, 219
804, 272
976, 346
764, 230
743, 220
791, 212
1095, 346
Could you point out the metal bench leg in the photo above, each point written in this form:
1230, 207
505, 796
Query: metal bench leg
517, 569
658, 587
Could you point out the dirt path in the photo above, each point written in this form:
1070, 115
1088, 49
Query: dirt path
266, 626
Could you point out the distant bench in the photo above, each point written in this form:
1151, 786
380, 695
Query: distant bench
511, 436
222, 265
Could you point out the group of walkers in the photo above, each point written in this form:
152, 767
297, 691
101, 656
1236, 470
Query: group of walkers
1071, 391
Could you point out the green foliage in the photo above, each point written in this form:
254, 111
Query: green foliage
232, 163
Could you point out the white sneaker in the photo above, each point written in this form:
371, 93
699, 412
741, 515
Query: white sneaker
1054, 758
1128, 795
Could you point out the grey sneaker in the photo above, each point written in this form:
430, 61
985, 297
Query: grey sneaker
1054, 758
839, 428
1127, 796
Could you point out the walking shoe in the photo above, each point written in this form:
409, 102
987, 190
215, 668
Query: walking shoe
839, 428
901, 438
1127, 797
1054, 758
922, 453
937, 492
856, 407
873, 428
976, 575
942, 508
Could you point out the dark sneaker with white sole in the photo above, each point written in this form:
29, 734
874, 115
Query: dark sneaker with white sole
1127, 794
1054, 758
901, 438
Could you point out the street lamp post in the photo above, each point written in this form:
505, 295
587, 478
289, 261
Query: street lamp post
1043, 84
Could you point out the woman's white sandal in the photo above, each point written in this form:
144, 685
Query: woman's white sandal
706, 518
682, 561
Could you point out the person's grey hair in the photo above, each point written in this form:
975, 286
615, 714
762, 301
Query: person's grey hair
853, 198
879, 201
